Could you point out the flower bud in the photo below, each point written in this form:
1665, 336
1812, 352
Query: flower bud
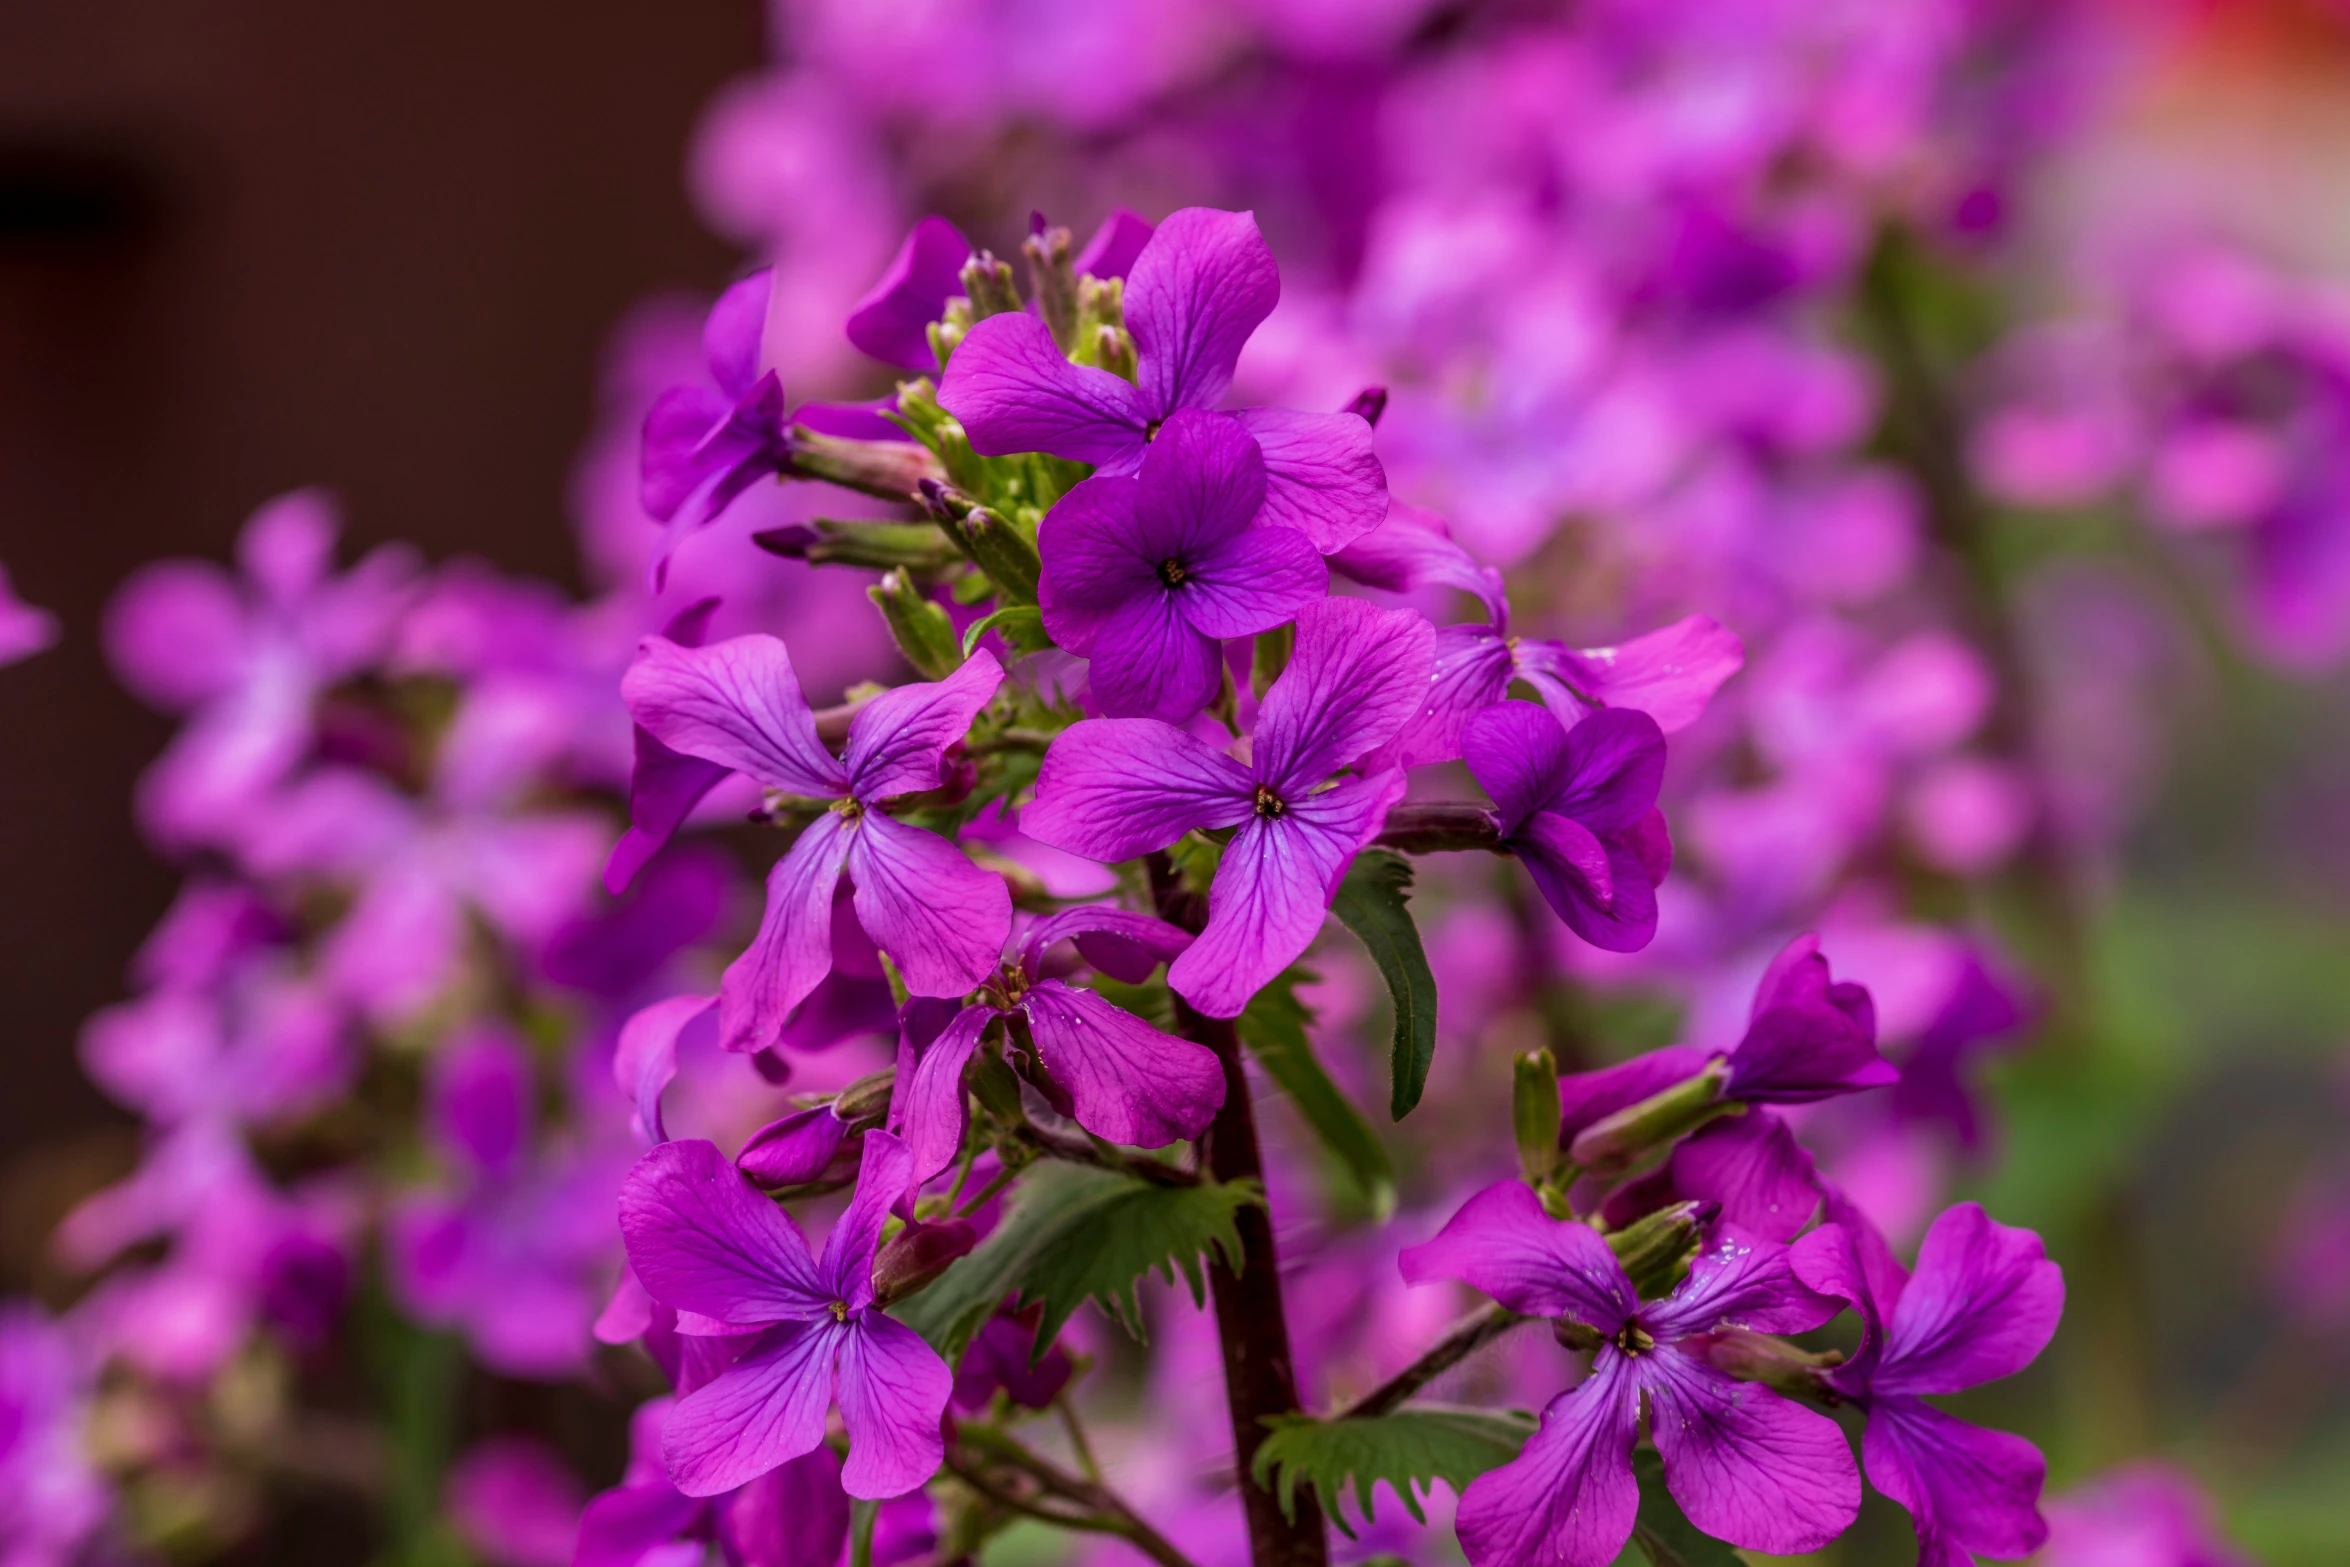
921, 629
920, 1253
1052, 278
1005, 553
1757, 1357
1534, 1113
866, 1099
1613, 1145
890, 470
1655, 1251
878, 546
988, 284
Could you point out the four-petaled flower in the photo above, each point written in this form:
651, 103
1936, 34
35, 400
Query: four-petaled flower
940, 918
704, 1242
1142, 576
1746, 1465
1197, 291
1114, 788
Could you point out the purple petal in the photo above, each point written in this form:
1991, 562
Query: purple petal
1501, 1242
627, 1314
1111, 251
1149, 661
1746, 1465
1471, 673
1355, 677
794, 1515
1202, 285
703, 1239
736, 331
1615, 766
1413, 549
1802, 1053
646, 1058
891, 322
1739, 1281
1982, 1304
1113, 788
929, 1111
1517, 752
1322, 478
897, 740
893, 1391
1616, 913
1126, 1081
766, 1409
665, 785
1096, 557
1202, 480
1589, 1097
736, 703
1669, 674
621, 1526
287, 548
1970, 1490
794, 1150
689, 437
481, 1100
942, 919
792, 952
1013, 392
884, 1175
1257, 579
176, 633
1124, 945
1569, 1499
864, 421
1751, 1165
1275, 883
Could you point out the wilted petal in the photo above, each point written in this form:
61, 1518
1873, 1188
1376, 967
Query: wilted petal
891, 322
702, 1239
1569, 1499
896, 740
735, 332
1970, 1490
1013, 391
1126, 1081
884, 1174
766, 1409
1503, 1243
1321, 476
1203, 284
1982, 1304
736, 703
929, 1110
1751, 1165
942, 919
1149, 661
1739, 1281
1356, 675
792, 952
893, 1389
1746, 1465
1113, 788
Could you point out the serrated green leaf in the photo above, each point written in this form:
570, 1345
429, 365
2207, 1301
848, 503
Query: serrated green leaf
1072, 1234
1663, 1533
1410, 1449
1274, 1029
1372, 903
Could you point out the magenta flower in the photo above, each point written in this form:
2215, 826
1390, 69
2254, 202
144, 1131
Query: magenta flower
704, 1241
664, 786
1115, 788
1578, 808
1120, 1078
51, 1496
1984, 1302
794, 1515
515, 1502
940, 918
2146, 1514
1198, 289
1746, 1465
1143, 575
24, 630
1808, 1037
266, 1046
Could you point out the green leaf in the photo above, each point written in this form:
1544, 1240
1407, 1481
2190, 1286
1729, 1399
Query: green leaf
1021, 624
1074, 1233
1663, 1534
1371, 902
1274, 1027
1409, 1449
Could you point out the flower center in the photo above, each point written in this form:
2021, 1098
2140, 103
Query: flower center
840, 1311
1269, 804
849, 810
1150, 431
1635, 1339
1171, 572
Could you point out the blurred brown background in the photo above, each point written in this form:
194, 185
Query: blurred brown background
247, 245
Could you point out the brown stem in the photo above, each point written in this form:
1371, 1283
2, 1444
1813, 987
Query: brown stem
1106, 1511
1439, 827
1260, 1380
1469, 1335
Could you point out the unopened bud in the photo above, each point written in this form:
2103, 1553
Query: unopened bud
1615, 1144
866, 1099
1052, 278
1534, 1113
1114, 351
1368, 405
1758, 1357
1005, 553
1655, 1251
920, 1254
875, 545
890, 470
988, 284
921, 629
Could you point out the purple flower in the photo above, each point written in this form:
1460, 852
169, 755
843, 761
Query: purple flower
664, 786
1984, 1302
265, 1047
51, 1498
1199, 288
1114, 788
24, 630
704, 1241
1121, 1079
1143, 575
1746, 1465
794, 1515
513, 1501
1578, 808
2142, 1515
942, 919
892, 322
1808, 1037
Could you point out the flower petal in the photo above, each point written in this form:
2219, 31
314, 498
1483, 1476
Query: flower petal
893, 1390
1751, 1165
646, 1058
891, 322
884, 1174
1746, 1465
622, 1525
1253, 581
1122, 944
792, 952
929, 1110
1739, 1281
1355, 677
1126, 1081
793, 1150
1617, 915
736, 330
1150, 662
942, 919
1517, 752
1569, 1499
1589, 1097
766, 1409
1014, 392
1322, 478
1413, 548
1669, 674
897, 740
1503, 1243
794, 1515
1970, 1490
1203, 284
736, 703
1471, 673
1615, 766
1982, 1304
1113, 788
702, 1239
1111, 251
1097, 556
1202, 480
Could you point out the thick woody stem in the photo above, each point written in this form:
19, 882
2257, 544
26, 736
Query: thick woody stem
1260, 1380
